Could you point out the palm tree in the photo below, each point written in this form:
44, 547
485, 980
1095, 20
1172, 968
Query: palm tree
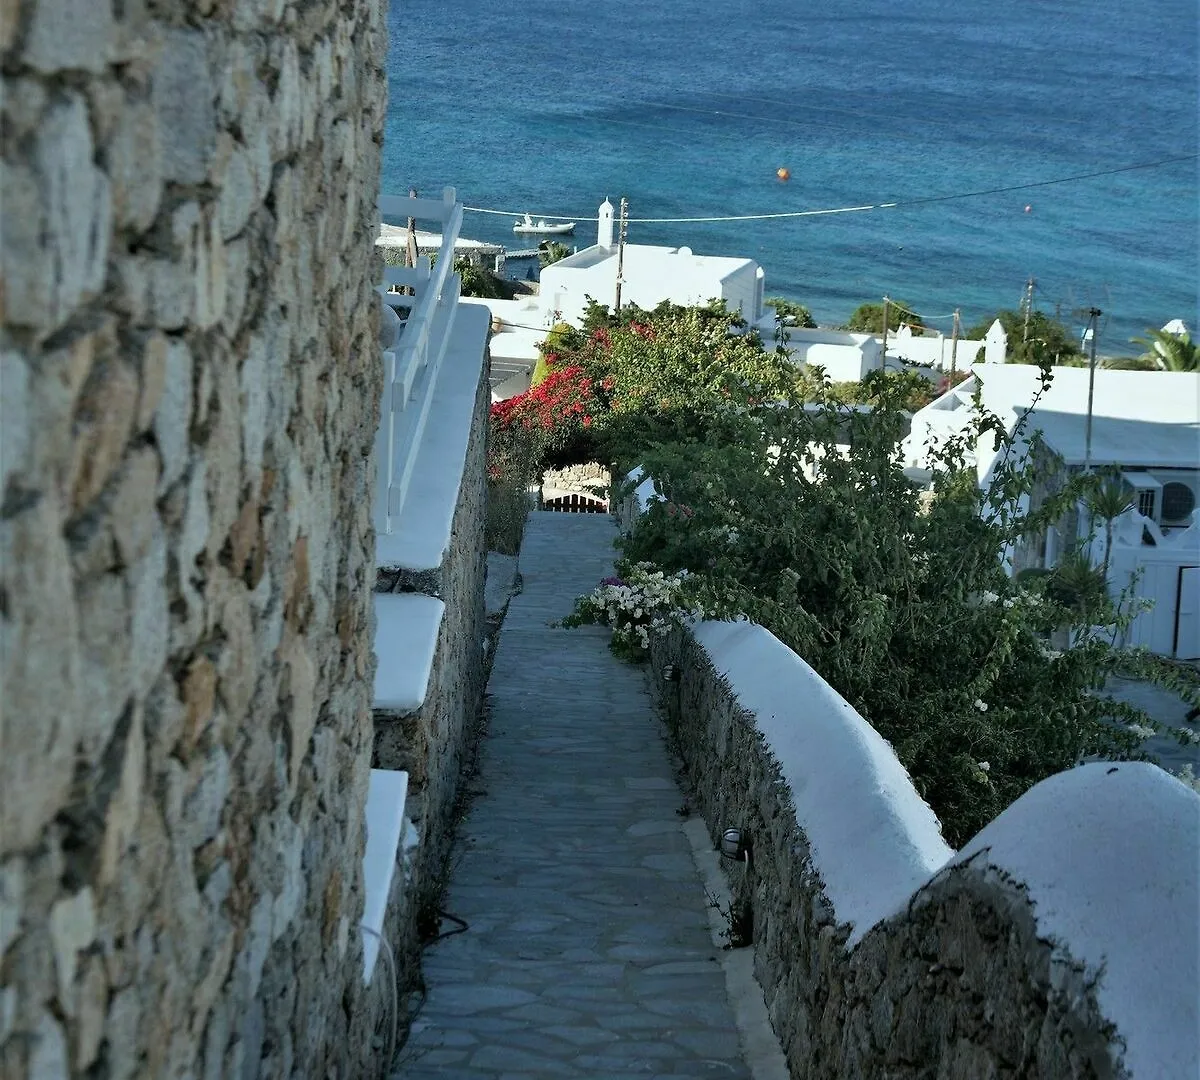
1109, 501
550, 251
1171, 352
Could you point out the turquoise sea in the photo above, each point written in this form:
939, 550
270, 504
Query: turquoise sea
688, 109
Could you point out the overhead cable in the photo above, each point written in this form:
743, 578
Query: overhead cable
854, 209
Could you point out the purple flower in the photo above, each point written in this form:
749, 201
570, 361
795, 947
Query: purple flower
611, 581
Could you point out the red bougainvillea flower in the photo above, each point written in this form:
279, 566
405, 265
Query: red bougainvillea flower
587, 421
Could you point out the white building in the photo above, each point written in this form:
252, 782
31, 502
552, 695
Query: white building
848, 356
518, 327
650, 276
1145, 425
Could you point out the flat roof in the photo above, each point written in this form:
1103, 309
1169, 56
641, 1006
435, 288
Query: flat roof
1166, 397
1120, 441
650, 257
396, 236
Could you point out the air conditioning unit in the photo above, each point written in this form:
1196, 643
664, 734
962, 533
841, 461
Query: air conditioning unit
1147, 493
1180, 495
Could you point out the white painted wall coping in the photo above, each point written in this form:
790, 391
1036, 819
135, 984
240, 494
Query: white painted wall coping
1108, 853
386, 794
406, 633
874, 840
421, 536
1110, 857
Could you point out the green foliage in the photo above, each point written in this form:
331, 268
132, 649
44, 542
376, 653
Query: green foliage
512, 466
868, 318
900, 602
1129, 363
476, 280
1170, 352
910, 388
561, 338
1049, 341
897, 598
551, 251
481, 282
791, 313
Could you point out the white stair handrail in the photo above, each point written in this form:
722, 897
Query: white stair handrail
411, 368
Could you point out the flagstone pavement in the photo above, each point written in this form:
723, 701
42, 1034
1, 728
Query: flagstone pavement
589, 952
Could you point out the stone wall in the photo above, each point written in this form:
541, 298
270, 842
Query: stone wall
190, 386
433, 742
1061, 942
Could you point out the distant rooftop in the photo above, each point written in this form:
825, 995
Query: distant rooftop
1142, 418
396, 236
652, 259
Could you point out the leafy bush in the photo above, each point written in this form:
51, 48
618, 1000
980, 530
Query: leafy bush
790, 313
901, 604
1047, 341
868, 318
562, 336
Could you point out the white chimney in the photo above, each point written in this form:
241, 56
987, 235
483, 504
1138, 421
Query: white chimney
604, 235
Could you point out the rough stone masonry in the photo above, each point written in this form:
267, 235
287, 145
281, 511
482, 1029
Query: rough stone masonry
190, 382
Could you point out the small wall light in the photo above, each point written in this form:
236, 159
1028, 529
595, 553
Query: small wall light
671, 673
735, 844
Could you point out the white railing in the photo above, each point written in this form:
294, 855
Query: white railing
411, 367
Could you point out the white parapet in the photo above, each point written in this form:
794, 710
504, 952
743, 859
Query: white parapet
386, 795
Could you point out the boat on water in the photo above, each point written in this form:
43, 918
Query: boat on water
528, 225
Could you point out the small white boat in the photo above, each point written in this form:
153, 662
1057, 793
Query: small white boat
528, 225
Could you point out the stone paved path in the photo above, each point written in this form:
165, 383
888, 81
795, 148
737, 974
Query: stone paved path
589, 952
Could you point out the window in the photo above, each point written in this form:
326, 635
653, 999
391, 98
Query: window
1145, 502
1178, 501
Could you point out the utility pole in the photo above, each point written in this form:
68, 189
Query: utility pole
1094, 324
411, 247
954, 346
887, 303
1027, 304
621, 252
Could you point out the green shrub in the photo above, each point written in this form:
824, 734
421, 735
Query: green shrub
902, 606
791, 313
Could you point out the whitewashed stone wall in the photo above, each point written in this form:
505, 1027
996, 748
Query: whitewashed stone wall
1061, 942
189, 375
434, 742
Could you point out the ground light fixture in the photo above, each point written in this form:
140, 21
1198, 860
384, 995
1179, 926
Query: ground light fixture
735, 844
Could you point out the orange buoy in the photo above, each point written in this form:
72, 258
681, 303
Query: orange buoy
783, 174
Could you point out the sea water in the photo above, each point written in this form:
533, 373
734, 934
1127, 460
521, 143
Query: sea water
689, 109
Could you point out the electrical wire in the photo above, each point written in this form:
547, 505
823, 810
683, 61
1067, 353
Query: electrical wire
395, 994
463, 927
1029, 185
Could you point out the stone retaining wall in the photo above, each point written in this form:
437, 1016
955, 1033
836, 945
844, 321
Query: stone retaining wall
430, 744
1061, 942
190, 384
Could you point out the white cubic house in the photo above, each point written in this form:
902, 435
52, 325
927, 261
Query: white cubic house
1144, 429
